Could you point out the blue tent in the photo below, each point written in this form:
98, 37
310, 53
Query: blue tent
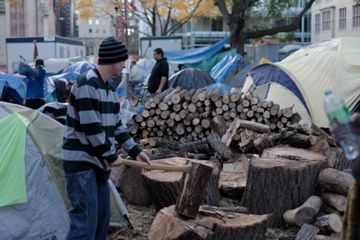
221, 71
196, 54
266, 74
14, 81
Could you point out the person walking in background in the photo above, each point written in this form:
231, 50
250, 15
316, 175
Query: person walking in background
34, 83
92, 126
159, 76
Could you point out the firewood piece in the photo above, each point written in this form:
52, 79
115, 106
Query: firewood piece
328, 224
232, 184
205, 123
194, 98
218, 125
149, 141
274, 110
279, 178
180, 129
288, 112
164, 187
254, 100
307, 232
335, 200
335, 181
192, 107
160, 96
305, 213
176, 98
163, 106
209, 224
299, 140
324, 237
193, 189
258, 127
234, 97
145, 114
246, 103
226, 99
150, 123
227, 137
216, 144
139, 118
189, 94
202, 95
168, 97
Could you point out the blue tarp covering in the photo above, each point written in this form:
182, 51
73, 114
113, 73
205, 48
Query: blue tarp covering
14, 81
221, 71
194, 55
267, 74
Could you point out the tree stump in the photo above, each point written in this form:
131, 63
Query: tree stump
165, 187
133, 188
232, 184
210, 224
285, 184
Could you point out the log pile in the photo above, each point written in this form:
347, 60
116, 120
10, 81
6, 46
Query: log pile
185, 115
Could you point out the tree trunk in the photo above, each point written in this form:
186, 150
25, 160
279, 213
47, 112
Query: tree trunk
210, 224
165, 187
285, 184
132, 187
335, 181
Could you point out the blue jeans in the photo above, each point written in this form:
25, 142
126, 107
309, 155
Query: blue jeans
90, 212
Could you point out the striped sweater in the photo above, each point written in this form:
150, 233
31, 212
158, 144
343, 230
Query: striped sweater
93, 123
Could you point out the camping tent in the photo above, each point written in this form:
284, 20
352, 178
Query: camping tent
30, 157
190, 78
302, 78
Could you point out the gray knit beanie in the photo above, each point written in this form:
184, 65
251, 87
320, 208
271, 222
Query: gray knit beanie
112, 51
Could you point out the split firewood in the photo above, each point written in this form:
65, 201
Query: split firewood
335, 200
328, 224
307, 232
305, 213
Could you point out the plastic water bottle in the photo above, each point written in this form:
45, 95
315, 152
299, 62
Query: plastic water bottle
338, 116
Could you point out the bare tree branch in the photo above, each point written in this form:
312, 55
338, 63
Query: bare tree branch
285, 28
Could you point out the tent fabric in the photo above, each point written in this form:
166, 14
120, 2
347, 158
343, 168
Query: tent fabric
14, 81
46, 211
220, 88
227, 67
207, 64
12, 162
332, 65
190, 78
184, 56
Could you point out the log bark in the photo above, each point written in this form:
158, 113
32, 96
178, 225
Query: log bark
279, 179
211, 224
335, 181
165, 187
335, 200
305, 213
328, 224
193, 189
307, 232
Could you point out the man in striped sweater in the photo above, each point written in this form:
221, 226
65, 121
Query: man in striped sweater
92, 126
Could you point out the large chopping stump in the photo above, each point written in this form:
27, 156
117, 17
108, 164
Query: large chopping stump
210, 224
276, 184
164, 187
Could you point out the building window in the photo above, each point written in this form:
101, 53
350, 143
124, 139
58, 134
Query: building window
342, 18
90, 21
90, 30
356, 16
97, 22
326, 20
61, 52
217, 24
17, 19
2, 6
317, 23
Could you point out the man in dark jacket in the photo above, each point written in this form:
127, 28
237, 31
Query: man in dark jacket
159, 77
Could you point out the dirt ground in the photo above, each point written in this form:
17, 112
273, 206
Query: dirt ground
141, 218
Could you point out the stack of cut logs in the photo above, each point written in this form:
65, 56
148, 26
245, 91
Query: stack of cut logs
185, 115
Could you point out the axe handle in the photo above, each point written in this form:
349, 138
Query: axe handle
154, 166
